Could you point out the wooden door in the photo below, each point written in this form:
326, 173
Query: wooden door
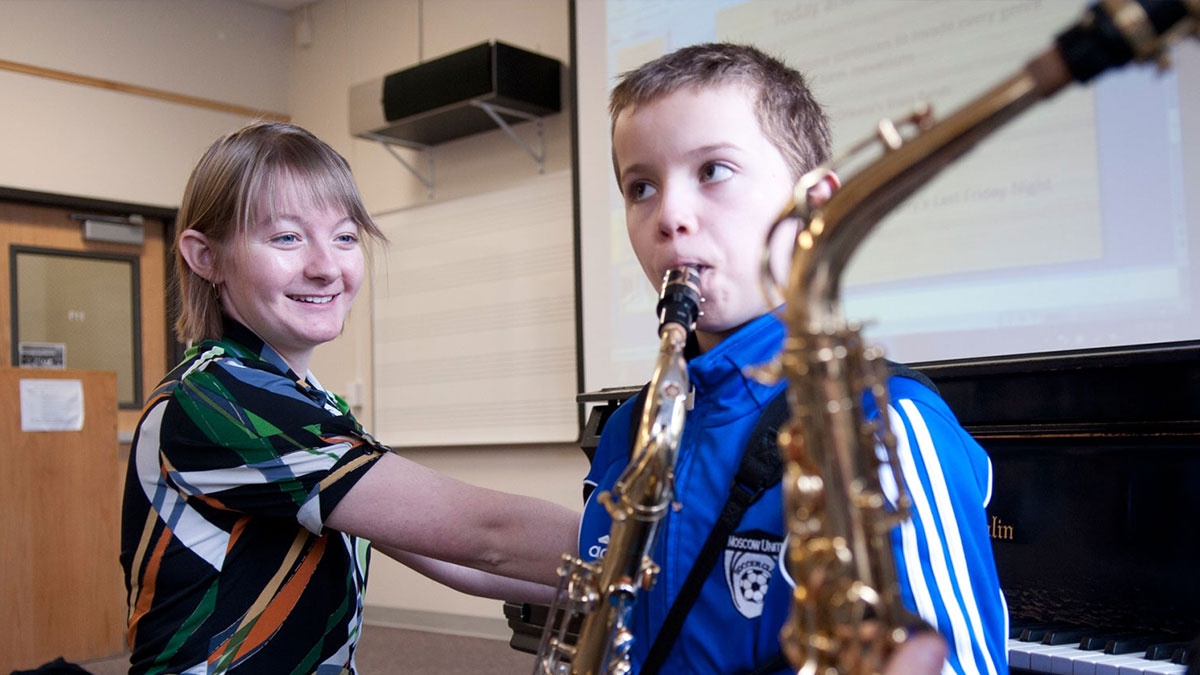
43, 227
62, 585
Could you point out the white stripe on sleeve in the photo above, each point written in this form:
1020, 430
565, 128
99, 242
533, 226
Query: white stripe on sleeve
949, 519
908, 531
206, 540
937, 551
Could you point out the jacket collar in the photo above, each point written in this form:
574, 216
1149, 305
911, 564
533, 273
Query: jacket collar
721, 372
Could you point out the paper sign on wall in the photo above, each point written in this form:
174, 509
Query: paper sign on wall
42, 355
51, 405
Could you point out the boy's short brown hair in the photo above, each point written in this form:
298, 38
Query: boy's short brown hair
221, 202
787, 112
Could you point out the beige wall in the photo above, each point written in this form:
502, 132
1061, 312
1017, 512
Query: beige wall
85, 141
75, 140
357, 40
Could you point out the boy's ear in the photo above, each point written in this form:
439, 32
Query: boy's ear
820, 193
199, 254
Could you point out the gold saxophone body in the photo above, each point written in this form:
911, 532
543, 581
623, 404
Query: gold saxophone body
601, 593
846, 614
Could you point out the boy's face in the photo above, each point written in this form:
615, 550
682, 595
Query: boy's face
702, 185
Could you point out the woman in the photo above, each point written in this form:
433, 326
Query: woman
253, 496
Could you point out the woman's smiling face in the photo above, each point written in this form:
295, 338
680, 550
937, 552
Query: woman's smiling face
293, 276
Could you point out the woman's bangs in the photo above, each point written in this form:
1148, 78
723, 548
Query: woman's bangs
287, 190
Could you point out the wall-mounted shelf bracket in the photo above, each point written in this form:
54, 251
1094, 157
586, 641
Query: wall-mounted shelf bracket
426, 151
496, 113
493, 111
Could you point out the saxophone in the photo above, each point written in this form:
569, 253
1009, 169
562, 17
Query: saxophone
846, 614
601, 593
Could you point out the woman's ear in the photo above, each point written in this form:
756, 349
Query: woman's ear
199, 254
824, 188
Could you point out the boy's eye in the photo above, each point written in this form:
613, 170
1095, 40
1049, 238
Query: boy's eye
640, 190
712, 173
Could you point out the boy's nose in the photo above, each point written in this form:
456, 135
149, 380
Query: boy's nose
675, 214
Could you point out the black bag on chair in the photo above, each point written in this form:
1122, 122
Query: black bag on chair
56, 667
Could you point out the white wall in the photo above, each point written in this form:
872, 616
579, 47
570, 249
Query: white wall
358, 40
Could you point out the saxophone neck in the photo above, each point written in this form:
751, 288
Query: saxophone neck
662, 416
834, 230
678, 310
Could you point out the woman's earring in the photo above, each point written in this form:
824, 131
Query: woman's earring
216, 290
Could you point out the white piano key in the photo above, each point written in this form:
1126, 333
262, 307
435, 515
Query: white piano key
1042, 660
1129, 663
1086, 664
1163, 668
1020, 654
1070, 660
1064, 663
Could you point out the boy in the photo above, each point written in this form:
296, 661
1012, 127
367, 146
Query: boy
708, 142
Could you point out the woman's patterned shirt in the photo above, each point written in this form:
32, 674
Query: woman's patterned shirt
235, 465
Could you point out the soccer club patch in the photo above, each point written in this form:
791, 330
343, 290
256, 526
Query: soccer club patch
750, 558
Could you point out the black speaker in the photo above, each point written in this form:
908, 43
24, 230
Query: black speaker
433, 102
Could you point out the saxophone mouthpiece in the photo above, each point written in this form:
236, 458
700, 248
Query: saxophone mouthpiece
679, 300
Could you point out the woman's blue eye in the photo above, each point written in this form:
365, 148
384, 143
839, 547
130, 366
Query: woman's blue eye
640, 190
286, 238
715, 172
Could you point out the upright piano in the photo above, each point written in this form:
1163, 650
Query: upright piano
1095, 509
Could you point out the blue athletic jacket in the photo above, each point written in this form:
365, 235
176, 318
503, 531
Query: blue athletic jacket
945, 557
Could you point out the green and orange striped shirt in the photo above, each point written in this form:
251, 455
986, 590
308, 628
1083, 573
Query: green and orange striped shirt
235, 465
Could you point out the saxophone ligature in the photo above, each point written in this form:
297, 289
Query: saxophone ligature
846, 614
600, 594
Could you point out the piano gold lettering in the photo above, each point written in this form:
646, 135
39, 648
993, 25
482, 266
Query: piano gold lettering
998, 530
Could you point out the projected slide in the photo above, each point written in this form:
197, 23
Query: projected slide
1068, 229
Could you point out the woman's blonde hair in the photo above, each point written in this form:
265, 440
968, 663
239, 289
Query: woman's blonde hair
222, 200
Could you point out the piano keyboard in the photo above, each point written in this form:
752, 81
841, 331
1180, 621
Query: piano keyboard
1067, 650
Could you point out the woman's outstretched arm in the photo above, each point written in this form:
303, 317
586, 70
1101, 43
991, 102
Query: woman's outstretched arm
402, 506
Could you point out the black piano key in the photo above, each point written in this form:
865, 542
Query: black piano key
1100, 640
1183, 655
1064, 636
1037, 632
1133, 643
1163, 650
1016, 625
